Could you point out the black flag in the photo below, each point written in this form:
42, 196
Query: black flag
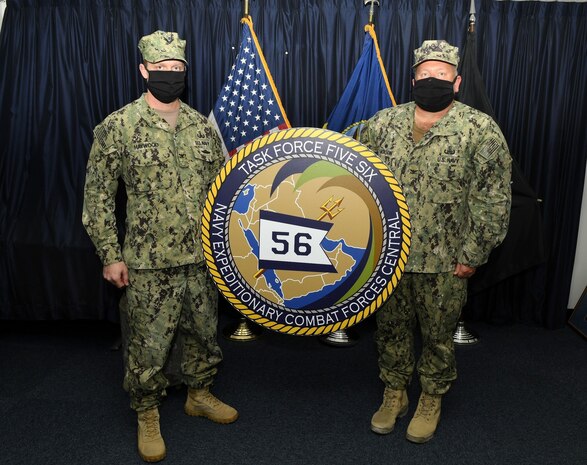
523, 246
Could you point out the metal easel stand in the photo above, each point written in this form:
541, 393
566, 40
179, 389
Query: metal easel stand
340, 338
242, 331
463, 336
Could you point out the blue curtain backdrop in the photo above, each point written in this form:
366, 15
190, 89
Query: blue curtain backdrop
66, 64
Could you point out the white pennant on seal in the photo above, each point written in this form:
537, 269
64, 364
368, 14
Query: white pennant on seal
289, 242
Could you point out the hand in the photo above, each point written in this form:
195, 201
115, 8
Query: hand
116, 273
464, 271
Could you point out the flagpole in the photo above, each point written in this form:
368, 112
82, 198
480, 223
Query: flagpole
348, 337
371, 8
472, 16
243, 330
463, 336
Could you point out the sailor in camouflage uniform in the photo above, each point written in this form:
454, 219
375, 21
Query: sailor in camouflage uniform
454, 167
167, 155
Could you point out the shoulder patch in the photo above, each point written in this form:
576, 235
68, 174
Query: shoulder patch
489, 150
101, 135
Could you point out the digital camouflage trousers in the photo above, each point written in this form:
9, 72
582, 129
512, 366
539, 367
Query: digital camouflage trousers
434, 300
164, 310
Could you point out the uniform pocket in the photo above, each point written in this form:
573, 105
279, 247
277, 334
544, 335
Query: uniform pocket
198, 153
148, 175
447, 183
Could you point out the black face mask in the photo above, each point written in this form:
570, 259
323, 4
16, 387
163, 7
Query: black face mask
166, 86
432, 94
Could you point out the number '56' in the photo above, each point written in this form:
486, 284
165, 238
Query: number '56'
283, 239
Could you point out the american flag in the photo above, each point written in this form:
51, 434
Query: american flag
248, 105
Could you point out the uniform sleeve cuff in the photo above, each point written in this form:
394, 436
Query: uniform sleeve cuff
110, 255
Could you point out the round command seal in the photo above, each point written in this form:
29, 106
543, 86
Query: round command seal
305, 231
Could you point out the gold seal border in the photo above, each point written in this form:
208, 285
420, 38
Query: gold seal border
329, 136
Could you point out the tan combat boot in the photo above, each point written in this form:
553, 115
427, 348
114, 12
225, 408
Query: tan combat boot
151, 444
423, 425
201, 403
395, 404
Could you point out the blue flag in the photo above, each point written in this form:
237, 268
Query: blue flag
366, 93
248, 105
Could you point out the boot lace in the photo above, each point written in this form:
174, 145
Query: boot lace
151, 425
390, 398
427, 406
208, 398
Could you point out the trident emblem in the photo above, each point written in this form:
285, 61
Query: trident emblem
330, 205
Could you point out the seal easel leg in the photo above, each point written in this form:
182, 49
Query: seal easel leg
463, 336
340, 338
242, 331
